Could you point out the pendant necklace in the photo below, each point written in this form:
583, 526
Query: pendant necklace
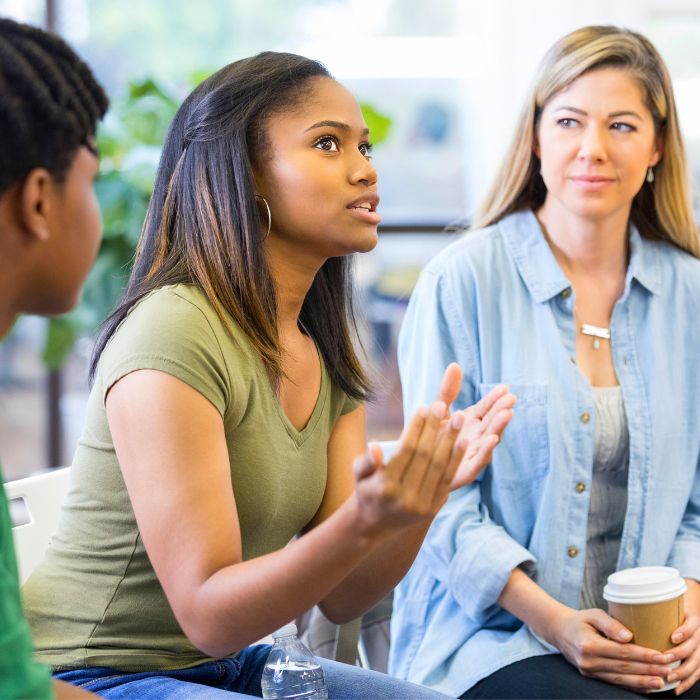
596, 332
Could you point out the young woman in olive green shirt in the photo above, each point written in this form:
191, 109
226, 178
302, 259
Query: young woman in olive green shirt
226, 414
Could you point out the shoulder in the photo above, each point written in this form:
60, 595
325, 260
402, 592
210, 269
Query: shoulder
175, 329
467, 249
178, 302
179, 313
468, 265
678, 270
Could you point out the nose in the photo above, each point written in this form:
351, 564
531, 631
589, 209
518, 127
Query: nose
362, 172
592, 145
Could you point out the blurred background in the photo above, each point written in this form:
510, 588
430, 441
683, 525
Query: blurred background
440, 82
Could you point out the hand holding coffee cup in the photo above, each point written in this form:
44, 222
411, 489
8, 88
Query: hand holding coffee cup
649, 601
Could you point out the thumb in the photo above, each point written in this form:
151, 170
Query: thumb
609, 626
367, 463
376, 453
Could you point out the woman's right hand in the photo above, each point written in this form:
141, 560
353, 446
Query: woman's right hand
599, 646
414, 483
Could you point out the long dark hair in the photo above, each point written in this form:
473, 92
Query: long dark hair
204, 227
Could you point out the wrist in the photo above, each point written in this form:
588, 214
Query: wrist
553, 622
366, 532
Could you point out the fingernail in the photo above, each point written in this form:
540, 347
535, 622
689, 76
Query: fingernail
423, 411
672, 677
438, 409
657, 683
625, 635
677, 637
457, 420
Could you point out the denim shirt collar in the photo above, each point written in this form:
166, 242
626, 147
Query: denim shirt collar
541, 272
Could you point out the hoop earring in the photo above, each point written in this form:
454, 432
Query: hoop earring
650, 175
269, 215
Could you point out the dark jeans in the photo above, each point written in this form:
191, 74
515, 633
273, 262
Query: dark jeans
552, 676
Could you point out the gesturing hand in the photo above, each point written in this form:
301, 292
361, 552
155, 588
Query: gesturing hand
437, 453
484, 422
414, 483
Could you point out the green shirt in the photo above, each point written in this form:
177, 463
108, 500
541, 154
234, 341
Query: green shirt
95, 600
20, 675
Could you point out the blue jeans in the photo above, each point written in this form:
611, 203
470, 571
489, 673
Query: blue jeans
237, 678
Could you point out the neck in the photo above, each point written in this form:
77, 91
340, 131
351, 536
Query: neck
293, 276
590, 247
11, 276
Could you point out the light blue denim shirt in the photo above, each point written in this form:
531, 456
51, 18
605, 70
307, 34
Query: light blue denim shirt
496, 302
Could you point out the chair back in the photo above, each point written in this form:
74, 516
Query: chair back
43, 496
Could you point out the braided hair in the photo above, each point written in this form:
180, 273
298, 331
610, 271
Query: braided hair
50, 103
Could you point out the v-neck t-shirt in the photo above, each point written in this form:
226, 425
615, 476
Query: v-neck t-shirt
96, 600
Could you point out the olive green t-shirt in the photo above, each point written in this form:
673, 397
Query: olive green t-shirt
20, 675
95, 600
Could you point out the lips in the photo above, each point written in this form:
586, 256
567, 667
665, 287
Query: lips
591, 178
366, 202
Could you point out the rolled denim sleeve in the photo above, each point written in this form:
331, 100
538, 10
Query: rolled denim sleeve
470, 553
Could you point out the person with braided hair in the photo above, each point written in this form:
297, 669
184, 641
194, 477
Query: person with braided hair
50, 230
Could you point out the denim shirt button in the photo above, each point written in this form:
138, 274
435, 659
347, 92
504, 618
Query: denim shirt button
572, 552
566, 293
585, 417
580, 487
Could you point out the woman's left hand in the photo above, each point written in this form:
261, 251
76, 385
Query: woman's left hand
484, 422
687, 640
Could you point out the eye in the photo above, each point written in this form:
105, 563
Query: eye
567, 122
327, 143
366, 149
623, 127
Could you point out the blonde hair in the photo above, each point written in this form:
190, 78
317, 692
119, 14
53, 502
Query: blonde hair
661, 210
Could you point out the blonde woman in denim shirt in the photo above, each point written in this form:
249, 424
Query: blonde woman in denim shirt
581, 291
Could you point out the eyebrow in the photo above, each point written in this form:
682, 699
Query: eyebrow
335, 125
621, 113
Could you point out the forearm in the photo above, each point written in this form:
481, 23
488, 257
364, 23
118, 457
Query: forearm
527, 601
374, 576
243, 602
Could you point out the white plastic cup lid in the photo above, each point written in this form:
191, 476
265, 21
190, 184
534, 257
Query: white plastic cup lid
287, 631
644, 584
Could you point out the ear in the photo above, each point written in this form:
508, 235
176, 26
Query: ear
36, 195
658, 151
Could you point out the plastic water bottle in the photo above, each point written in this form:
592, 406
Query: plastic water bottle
291, 670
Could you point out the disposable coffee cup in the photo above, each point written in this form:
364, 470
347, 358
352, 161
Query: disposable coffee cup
648, 601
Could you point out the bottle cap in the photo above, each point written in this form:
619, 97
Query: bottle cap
288, 630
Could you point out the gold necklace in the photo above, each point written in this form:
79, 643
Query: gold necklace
598, 333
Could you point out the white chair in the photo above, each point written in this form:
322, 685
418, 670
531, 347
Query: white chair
43, 495
364, 641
